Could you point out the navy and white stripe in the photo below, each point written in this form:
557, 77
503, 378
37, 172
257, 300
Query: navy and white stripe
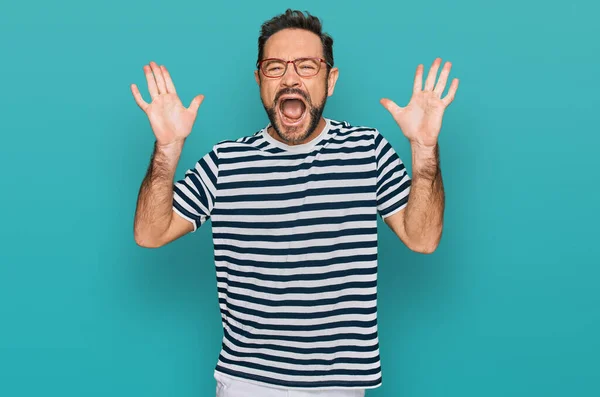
295, 240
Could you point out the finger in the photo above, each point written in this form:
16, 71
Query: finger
447, 100
441, 84
138, 97
432, 74
168, 80
160, 81
196, 102
418, 85
152, 88
391, 106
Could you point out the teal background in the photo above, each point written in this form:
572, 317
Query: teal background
507, 306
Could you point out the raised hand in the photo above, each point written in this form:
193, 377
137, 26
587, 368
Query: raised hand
170, 121
421, 120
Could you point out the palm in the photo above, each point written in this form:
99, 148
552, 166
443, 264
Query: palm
169, 119
421, 120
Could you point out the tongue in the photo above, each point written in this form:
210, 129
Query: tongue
292, 108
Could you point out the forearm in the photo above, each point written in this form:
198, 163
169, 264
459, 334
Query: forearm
155, 199
425, 209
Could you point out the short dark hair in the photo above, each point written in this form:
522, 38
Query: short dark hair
294, 19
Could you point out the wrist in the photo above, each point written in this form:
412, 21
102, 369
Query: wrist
416, 143
424, 151
175, 146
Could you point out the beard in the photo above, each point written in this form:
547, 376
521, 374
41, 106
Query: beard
295, 135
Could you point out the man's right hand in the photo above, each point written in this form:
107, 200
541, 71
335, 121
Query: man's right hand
169, 119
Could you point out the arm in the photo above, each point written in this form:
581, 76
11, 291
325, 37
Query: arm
156, 224
419, 224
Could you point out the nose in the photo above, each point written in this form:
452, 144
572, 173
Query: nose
291, 78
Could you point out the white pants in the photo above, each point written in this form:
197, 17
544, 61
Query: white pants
230, 387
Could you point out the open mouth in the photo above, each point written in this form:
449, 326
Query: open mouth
292, 110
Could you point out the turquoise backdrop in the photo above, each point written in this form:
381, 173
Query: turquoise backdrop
508, 305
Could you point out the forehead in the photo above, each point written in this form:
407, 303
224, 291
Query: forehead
293, 43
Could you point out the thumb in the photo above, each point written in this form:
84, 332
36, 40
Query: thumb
390, 106
196, 102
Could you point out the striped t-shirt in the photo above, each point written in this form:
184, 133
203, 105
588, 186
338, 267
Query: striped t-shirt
295, 248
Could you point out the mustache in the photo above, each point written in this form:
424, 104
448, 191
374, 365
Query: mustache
292, 91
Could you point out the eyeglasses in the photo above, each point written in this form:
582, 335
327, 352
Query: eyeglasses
305, 67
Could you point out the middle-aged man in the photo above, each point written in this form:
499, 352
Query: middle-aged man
294, 210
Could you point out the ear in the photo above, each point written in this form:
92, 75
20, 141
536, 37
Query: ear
331, 80
257, 77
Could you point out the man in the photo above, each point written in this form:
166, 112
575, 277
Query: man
294, 214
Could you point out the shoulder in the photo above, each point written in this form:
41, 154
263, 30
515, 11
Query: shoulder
349, 131
244, 143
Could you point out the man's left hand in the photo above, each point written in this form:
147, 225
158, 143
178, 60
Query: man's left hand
421, 120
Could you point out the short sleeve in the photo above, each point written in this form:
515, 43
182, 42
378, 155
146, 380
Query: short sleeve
194, 196
393, 181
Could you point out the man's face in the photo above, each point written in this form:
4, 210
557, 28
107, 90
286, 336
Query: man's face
295, 104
